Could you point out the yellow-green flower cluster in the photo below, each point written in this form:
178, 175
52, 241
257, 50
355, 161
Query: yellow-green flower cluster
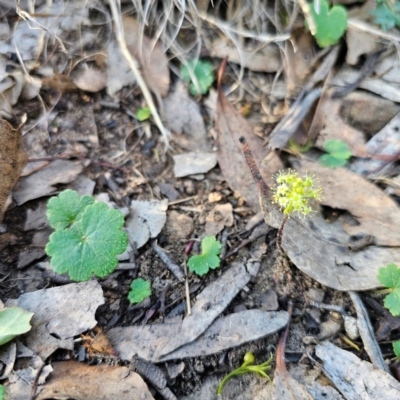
292, 193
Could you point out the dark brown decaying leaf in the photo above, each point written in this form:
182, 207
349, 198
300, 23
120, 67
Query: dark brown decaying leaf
150, 56
75, 380
230, 126
12, 160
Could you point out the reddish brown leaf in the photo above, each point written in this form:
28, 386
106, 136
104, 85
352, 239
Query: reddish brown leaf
12, 160
150, 56
230, 126
75, 380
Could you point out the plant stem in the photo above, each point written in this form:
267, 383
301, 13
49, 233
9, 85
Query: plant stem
279, 236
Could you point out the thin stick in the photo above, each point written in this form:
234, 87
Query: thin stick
187, 292
279, 236
145, 91
174, 268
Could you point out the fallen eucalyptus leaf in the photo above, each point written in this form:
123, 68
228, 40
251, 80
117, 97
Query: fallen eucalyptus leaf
155, 342
354, 378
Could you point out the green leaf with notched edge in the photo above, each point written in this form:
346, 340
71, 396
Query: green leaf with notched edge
338, 154
143, 113
140, 290
66, 208
200, 264
91, 245
396, 348
203, 72
2, 392
14, 321
331, 23
389, 277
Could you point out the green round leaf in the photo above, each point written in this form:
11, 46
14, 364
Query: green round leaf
91, 245
202, 71
143, 113
396, 348
332, 162
140, 290
392, 302
201, 264
14, 321
331, 23
389, 276
338, 149
66, 208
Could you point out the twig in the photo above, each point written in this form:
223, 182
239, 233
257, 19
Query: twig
365, 27
367, 333
224, 242
279, 236
116, 13
187, 292
174, 268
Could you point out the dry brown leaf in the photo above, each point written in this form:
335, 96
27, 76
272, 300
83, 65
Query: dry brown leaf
150, 55
264, 59
358, 44
60, 83
42, 183
90, 79
230, 126
297, 61
219, 217
335, 128
75, 380
376, 213
182, 114
12, 160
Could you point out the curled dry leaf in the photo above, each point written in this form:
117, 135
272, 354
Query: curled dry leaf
12, 160
150, 56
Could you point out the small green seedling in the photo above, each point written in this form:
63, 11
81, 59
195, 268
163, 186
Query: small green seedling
202, 72
338, 154
143, 113
14, 321
396, 348
140, 290
246, 368
387, 14
389, 277
88, 236
2, 392
331, 23
201, 264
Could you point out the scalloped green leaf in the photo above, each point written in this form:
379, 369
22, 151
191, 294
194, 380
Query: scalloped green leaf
396, 348
91, 245
66, 208
14, 321
140, 290
202, 71
389, 277
331, 23
201, 264
2, 392
330, 161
